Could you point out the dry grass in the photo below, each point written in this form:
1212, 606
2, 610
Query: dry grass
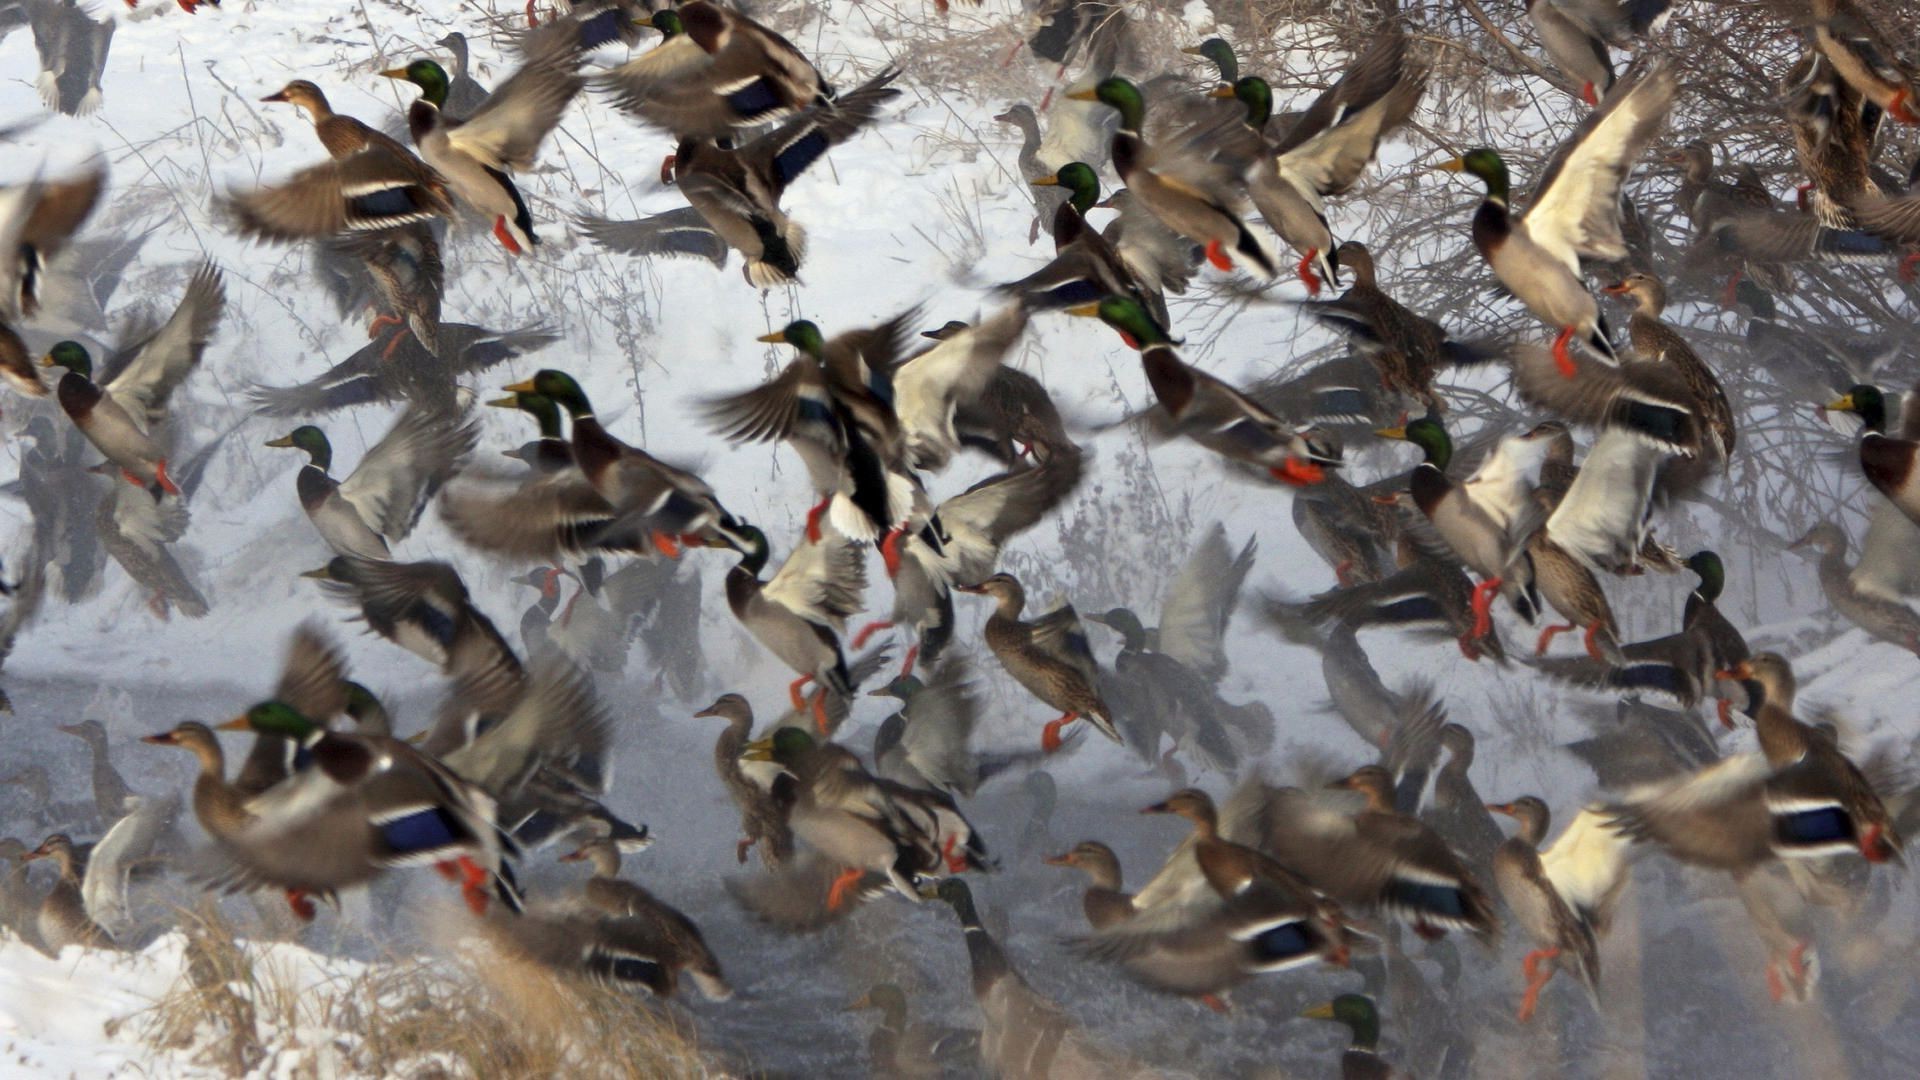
241, 1007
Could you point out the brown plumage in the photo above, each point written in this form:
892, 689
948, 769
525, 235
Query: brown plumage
1049, 656
762, 817
1104, 903
63, 918
676, 943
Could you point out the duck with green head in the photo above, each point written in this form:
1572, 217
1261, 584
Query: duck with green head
1325, 151
106, 423
1887, 458
1721, 643
1477, 532
800, 613
362, 805
1211, 412
1176, 193
550, 453
1086, 264
1216, 50
1362, 1060
476, 154
1575, 213
716, 72
381, 500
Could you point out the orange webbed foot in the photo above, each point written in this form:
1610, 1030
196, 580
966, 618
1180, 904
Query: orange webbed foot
1218, 256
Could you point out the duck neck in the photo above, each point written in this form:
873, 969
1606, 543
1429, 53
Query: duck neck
605, 859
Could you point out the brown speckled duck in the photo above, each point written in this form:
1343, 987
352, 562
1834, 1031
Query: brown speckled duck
1049, 656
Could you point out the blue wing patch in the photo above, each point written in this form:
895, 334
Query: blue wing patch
1826, 825
793, 159
754, 99
422, 831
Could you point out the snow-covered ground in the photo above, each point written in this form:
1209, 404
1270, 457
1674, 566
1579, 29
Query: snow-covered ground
928, 208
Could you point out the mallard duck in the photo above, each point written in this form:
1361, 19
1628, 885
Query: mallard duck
124, 419
674, 944
63, 918
1104, 903
372, 191
1208, 410
1361, 1060
1575, 212
1328, 147
1833, 134
1353, 530
1026, 1036
737, 191
763, 817
1887, 460
911, 1050
110, 791
1863, 56
619, 498
465, 95
1429, 590
1048, 656
929, 387
72, 46
423, 607
1562, 894
407, 374
1476, 518
1576, 34
1407, 348
1570, 588
1658, 341
1708, 200
474, 153
37, 220
1455, 809
1888, 619
680, 232
19, 905
1178, 186
1087, 263
1451, 898
973, 526
381, 500
716, 72
341, 135
864, 825
1799, 797
834, 404
799, 614
925, 743
1218, 913
1013, 419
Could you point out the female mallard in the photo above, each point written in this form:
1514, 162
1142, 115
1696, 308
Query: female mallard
763, 817
424, 608
1104, 903
1178, 186
1475, 518
1865, 58
1576, 33
672, 943
1571, 589
1800, 797
1217, 914
1888, 460
737, 191
371, 192
716, 72
124, 418
799, 614
912, 1051
1659, 341
381, 500
1888, 619
1562, 894
37, 219
1408, 348
63, 918
1575, 212
1325, 151
1208, 410
474, 153
1048, 656
1833, 135
930, 386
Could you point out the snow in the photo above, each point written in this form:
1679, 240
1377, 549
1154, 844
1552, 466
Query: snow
925, 209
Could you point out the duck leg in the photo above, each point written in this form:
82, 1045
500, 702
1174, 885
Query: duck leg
1305, 269
473, 884
1468, 649
301, 903
667, 166
837, 893
1562, 358
162, 480
1724, 709
1298, 473
1343, 573
1589, 95
820, 722
501, 234
1547, 635
1050, 740
955, 864
867, 631
1537, 977
740, 849
1483, 595
1908, 264
1218, 256
1793, 979
532, 19
793, 691
1800, 193
813, 519
890, 550
665, 544
381, 322
1593, 646
913, 655
394, 342
1216, 1003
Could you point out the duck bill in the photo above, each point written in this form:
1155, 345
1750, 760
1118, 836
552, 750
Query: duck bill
394, 73
1616, 289
758, 750
1391, 433
279, 95
575, 856
1843, 403
49, 361
1045, 181
1501, 808
865, 1001
510, 402
1220, 92
778, 337
159, 738
524, 386
1322, 1011
283, 441
706, 712
1089, 94
1455, 165
1157, 808
974, 589
1085, 311
1059, 860
1738, 672
71, 729
321, 574
238, 723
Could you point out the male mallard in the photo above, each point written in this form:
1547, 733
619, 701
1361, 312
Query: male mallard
799, 614
1208, 410
1409, 349
929, 387
618, 498
1328, 147
898, 1048
973, 526
1888, 460
716, 72
381, 500
1048, 656
1361, 1060
124, 418
737, 191
835, 404
1862, 55
763, 817
1576, 34
424, 608
474, 153
1428, 590
1218, 913
1881, 617
1087, 263
673, 943
863, 824
1575, 212
1104, 903
1476, 518
1178, 186
1799, 797
1563, 894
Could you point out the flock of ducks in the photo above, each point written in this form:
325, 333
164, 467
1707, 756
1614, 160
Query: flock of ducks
1271, 878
